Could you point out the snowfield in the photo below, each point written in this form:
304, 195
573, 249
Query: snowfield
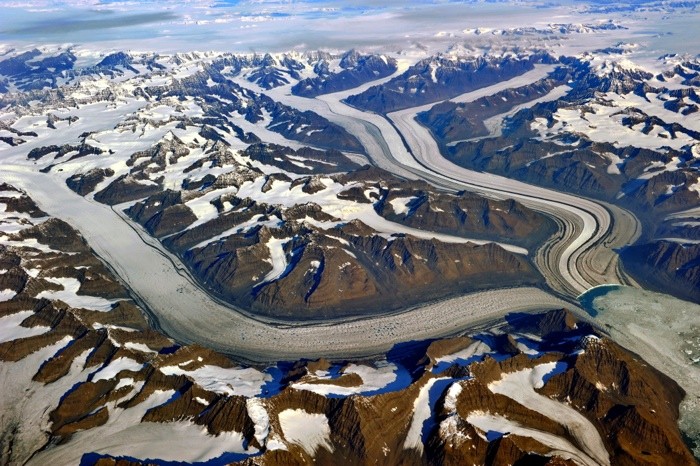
421, 413
10, 328
497, 425
602, 122
125, 435
307, 430
69, 295
374, 378
520, 386
233, 381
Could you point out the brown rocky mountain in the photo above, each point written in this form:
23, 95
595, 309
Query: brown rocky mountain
98, 386
442, 77
667, 265
334, 266
464, 213
315, 162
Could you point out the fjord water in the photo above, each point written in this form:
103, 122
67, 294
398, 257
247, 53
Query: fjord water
664, 331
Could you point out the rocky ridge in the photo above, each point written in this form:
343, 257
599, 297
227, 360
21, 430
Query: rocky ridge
442, 77
355, 70
303, 260
50, 68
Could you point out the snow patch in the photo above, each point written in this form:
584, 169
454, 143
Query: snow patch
138, 347
494, 426
232, 381
421, 413
10, 328
400, 204
6, 295
373, 379
278, 259
115, 367
520, 386
261, 419
69, 295
307, 430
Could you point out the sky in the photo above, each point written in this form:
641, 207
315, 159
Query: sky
273, 25
238, 25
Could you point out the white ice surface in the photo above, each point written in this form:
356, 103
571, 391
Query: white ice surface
421, 412
400, 204
373, 378
125, 435
495, 423
477, 348
28, 242
307, 430
115, 367
138, 347
69, 295
260, 417
451, 397
520, 386
10, 328
603, 123
26, 402
278, 258
6, 295
226, 381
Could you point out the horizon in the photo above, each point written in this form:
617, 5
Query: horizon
269, 26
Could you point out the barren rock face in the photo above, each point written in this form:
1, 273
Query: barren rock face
125, 188
87, 182
385, 274
668, 265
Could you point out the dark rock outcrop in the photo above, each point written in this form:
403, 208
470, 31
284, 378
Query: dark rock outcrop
126, 188
442, 77
85, 183
666, 266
